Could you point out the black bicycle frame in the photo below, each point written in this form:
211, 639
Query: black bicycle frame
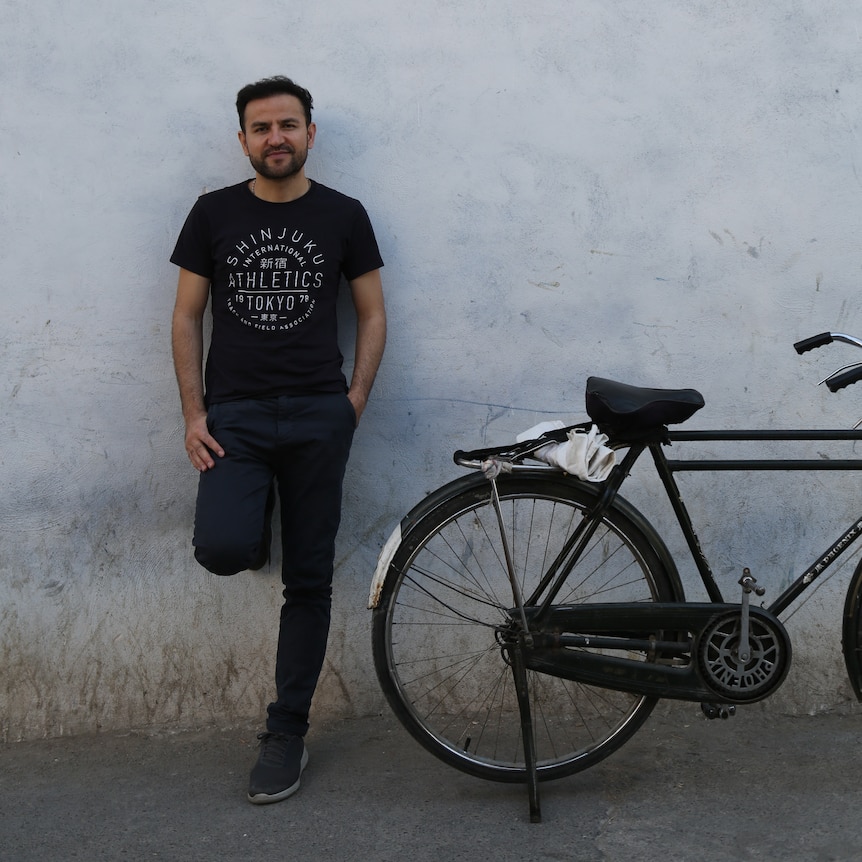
667, 467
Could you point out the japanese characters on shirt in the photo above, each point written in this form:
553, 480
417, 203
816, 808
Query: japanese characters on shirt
274, 276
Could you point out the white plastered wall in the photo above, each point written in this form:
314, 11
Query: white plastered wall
663, 193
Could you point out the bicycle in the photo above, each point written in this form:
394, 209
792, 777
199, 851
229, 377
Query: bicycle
526, 622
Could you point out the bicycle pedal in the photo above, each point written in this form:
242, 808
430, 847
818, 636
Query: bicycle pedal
718, 710
749, 584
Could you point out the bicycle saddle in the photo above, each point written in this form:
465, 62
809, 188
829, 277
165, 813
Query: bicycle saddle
621, 407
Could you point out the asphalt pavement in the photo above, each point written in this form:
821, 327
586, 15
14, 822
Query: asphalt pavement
759, 786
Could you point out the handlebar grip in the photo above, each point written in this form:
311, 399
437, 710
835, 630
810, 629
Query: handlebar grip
815, 341
844, 378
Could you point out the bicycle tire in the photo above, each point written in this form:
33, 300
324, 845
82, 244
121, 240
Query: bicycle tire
851, 634
433, 630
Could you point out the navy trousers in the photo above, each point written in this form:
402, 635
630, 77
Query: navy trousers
299, 444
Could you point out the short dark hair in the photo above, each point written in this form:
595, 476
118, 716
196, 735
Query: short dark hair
275, 86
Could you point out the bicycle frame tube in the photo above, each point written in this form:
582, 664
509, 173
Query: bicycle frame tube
562, 566
665, 472
725, 464
804, 581
666, 467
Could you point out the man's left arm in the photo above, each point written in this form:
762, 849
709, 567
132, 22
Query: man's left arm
367, 292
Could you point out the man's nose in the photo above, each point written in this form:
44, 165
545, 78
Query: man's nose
276, 135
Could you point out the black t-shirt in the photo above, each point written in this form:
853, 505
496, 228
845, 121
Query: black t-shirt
274, 270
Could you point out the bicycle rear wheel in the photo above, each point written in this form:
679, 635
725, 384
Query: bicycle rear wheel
436, 649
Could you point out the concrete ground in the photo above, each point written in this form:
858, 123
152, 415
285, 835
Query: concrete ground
757, 787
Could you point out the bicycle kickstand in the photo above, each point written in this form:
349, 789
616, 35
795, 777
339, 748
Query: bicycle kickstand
519, 672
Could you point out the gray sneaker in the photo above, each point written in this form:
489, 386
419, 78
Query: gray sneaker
279, 766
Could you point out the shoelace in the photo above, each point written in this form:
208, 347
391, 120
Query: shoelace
274, 748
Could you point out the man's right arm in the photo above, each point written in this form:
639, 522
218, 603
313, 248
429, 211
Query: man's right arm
187, 343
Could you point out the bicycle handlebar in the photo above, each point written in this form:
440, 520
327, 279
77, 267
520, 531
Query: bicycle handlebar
845, 376
813, 342
823, 339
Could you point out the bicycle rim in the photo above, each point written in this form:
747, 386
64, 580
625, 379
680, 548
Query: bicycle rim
436, 648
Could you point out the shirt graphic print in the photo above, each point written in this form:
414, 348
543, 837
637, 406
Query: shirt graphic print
274, 276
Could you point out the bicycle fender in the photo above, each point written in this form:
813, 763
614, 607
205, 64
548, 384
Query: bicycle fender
478, 481
658, 544
384, 559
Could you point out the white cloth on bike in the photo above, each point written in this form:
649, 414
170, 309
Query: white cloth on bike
584, 454
537, 430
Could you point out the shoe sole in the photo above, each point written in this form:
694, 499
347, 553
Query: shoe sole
267, 798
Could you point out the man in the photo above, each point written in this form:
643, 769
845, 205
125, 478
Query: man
273, 409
